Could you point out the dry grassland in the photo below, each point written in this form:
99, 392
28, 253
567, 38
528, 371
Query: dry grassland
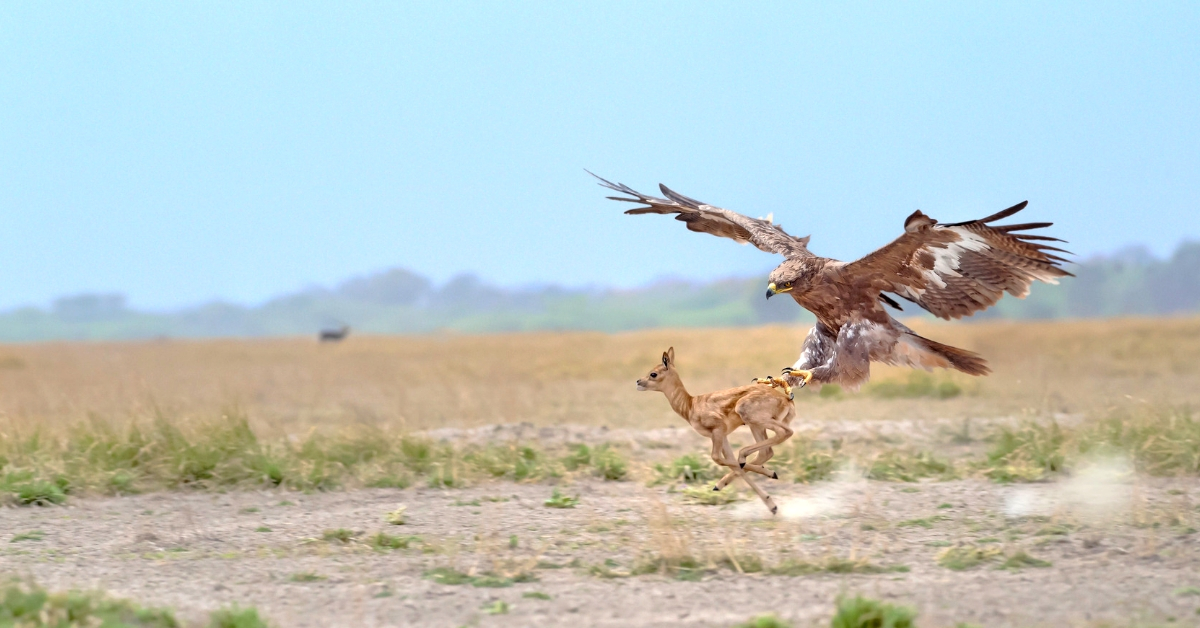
289, 386
1071, 500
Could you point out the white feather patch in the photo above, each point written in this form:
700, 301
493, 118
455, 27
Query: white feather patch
946, 259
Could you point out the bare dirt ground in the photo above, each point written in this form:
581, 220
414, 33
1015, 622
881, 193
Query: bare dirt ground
1121, 551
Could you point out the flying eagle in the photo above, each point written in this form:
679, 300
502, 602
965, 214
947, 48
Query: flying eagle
952, 270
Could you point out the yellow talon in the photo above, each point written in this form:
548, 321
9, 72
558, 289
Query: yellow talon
805, 376
775, 383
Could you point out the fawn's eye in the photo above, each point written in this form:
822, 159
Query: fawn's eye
654, 375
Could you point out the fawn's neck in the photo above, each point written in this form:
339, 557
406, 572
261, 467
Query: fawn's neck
678, 397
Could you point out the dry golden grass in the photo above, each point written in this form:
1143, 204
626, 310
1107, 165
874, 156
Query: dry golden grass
411, 383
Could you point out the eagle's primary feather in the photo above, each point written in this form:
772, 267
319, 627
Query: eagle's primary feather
952, 270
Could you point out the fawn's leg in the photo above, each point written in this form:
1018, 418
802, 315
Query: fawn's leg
760, 435
782, 433
723, 455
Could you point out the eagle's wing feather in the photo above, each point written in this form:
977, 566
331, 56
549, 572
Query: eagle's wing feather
704, 218
957, 269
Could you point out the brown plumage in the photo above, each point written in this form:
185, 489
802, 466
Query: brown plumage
952, 270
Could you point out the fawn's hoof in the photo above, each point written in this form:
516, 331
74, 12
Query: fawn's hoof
774, 475
742, 465
716, 488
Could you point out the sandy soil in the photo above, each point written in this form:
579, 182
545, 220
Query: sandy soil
1122, 549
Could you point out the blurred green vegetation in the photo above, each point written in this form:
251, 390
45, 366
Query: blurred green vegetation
397, 301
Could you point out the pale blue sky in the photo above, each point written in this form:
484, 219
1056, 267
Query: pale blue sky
180, 152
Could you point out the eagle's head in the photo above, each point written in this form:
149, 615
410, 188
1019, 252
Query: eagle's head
791, 275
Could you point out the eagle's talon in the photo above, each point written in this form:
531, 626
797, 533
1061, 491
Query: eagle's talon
803, 375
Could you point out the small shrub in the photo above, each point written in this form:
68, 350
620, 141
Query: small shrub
396, 517
961, 557
447, 575
684, 568
306, 576
341, 535
381, 541
806, 461
1022, 559
861, 612
1027, 453
902, 466
26, 604
236, 617
765, 621
688, 468
558, 500
708, 497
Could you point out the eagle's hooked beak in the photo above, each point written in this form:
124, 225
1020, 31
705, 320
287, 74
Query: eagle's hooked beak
773, 290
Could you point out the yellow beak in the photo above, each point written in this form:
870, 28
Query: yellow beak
772, 290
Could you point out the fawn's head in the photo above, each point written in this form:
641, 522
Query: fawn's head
662, 373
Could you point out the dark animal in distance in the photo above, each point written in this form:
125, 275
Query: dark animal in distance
334, 335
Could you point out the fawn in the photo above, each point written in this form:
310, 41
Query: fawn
717, 414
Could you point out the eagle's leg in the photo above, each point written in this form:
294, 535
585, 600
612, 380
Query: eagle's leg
819, 348
804, 375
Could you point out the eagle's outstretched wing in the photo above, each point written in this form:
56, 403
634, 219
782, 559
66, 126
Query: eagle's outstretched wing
703, 218
957, 269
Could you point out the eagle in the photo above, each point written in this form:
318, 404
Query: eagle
951, 270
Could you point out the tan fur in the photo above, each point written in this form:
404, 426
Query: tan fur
717, 414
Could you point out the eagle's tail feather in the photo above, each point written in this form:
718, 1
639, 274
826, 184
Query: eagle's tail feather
968, 362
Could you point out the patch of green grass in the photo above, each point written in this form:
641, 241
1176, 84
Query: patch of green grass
962, 557
499, 607
861, 612
1057, 529
236, 617
1022, 559
514, 462
917, 384
559, 500
451, 576
829, 564
805, 460
247, 511
1187, 591
340, 535
830, 391
688, 468
472, 502
603, 460
447, 575
708, 497
945, 506
906, 466
32, 535
262, 529
684, 568
382, 541
924, 522
536, 595
744, 563
29, 489
24, 604
1028, 453
767, 621
609, 569
306, 576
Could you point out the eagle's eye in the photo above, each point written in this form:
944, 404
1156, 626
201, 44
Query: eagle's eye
654, 375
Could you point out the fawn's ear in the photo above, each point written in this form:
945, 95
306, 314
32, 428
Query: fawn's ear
669, 357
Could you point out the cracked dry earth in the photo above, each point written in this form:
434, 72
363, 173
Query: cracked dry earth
1121, 550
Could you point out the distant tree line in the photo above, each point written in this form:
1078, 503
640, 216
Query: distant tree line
1131, 282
